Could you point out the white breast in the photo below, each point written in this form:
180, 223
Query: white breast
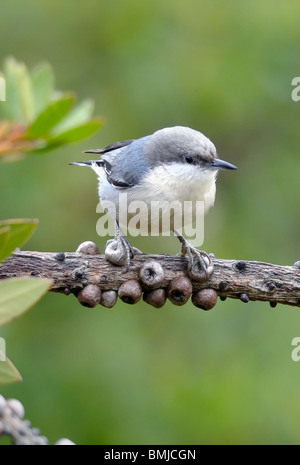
179, 182
173, 184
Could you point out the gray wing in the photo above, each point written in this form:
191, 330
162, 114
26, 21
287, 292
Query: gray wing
109, 148
123, 162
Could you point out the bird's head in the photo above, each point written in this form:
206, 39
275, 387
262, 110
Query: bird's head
184, 146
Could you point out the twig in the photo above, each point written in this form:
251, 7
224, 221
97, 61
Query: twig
237, 279
13, 424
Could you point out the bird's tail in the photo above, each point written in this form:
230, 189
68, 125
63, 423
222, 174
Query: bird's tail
96, 165
91, 163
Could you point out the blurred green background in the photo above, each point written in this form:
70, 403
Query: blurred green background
137, 375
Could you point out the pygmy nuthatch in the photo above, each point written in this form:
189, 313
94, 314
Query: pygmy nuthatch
173, 166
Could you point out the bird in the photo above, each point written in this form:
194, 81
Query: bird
175, 166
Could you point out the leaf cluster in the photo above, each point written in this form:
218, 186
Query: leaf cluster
37, 118
16, 294
33, 118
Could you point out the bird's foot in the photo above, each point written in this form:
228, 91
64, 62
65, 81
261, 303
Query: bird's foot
200, 265
119, 251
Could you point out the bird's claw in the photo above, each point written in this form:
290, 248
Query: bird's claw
200, 265
118, 251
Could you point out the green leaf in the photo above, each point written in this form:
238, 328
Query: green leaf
19, 104
4, 238
20, 231
75, 134
8, 372
42, 86
50, 117
79, 115
18, 294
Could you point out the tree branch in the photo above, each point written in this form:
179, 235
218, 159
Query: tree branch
22, 434
73, 272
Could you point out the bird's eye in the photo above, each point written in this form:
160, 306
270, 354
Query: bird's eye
189, 159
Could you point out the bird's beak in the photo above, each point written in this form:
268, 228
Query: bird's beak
217, 164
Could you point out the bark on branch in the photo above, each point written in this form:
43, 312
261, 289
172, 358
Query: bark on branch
72, 272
